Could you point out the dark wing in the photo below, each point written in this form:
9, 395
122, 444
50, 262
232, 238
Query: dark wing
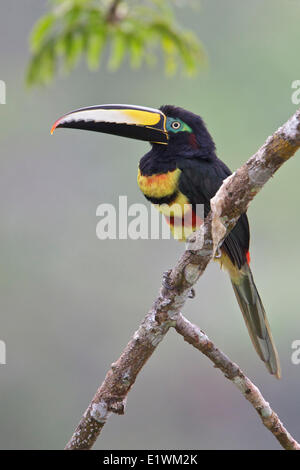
199, 181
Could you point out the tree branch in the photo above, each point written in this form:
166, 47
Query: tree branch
228, 204
112, 16
111, 395
197, 338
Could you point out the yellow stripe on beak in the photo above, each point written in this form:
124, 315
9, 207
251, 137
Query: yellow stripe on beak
142, 118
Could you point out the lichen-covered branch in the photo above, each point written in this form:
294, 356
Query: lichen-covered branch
111, 395
228, 204
197, 338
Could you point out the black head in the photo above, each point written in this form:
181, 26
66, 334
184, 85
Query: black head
188, 136
188, 139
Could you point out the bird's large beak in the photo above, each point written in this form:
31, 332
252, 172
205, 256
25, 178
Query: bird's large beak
135, 122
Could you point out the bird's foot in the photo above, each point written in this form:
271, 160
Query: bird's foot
167, 285
218, 253
192, 293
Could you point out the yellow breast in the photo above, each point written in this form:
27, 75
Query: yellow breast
159, 185
162, 185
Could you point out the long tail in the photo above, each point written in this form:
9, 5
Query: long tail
255, 318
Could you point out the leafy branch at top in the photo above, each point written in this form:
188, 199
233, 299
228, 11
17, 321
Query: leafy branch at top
136, 29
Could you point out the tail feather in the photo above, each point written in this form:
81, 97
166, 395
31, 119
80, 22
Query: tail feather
255, 318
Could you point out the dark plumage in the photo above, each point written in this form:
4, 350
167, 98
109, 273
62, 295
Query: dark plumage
201, 175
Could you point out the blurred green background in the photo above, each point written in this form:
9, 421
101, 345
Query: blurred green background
69, 302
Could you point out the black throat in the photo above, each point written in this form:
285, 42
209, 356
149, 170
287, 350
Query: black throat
157, 161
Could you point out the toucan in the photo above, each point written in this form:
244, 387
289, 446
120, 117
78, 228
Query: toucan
182, 171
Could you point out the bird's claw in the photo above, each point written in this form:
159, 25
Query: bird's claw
192, 293
167, 285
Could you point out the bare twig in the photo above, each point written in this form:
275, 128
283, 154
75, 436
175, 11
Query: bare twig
197, 338
113, 16
228, 204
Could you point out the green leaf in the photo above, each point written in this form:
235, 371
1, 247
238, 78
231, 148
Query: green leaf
118, 51
170, 55
48, 66
74, 49
41, 30
95, 43
82, 27
136, 49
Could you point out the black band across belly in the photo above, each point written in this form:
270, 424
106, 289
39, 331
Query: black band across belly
163, 200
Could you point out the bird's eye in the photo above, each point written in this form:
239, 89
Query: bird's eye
175, 125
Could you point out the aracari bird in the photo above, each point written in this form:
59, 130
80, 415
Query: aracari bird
182, 170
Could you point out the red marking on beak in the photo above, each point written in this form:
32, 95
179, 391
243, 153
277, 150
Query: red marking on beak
248, 257
55, 125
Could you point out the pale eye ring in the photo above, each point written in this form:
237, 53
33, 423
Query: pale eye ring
175, 125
